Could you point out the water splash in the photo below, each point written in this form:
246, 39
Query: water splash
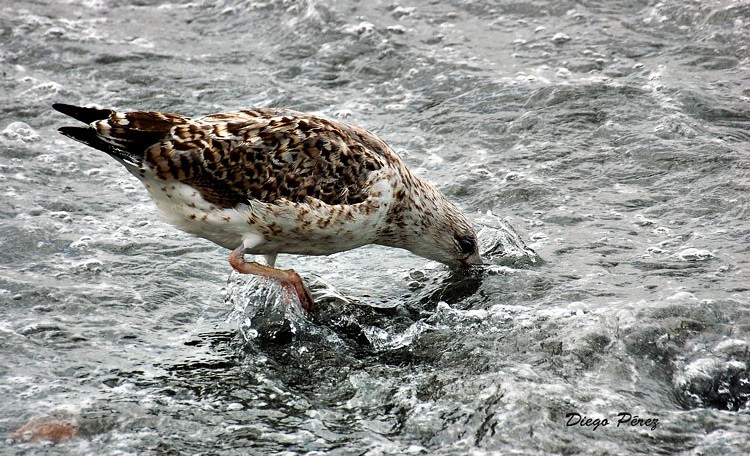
500, 244
265, 310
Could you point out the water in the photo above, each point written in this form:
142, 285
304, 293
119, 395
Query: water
613, 137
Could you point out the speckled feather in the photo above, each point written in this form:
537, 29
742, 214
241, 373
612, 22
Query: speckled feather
263, 155
279, 181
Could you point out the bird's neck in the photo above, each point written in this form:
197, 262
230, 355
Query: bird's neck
415, 204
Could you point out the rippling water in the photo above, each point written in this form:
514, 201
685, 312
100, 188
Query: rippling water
612, 135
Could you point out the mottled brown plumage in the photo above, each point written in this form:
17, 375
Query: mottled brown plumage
269, 181
262, 154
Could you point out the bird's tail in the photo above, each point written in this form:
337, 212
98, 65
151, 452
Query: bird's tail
124, 136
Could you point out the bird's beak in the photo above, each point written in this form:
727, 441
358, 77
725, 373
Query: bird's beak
473, 260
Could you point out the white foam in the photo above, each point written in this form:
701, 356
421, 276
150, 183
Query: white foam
20, 132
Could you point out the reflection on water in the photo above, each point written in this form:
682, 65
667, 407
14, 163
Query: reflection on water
599, 149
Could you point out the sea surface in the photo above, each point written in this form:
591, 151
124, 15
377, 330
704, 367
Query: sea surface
613, 137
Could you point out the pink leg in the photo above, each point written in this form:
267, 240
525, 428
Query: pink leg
289, 279
46, 428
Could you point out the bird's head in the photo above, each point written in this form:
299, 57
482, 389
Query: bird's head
449, 238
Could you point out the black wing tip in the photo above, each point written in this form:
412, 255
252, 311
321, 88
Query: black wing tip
85, 135
73, 132
62, 107
84, 114
88, 136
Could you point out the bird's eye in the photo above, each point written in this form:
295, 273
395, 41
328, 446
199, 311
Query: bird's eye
466, 244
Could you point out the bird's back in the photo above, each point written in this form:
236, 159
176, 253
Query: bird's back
236, 157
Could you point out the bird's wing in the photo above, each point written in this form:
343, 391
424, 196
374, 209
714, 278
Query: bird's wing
267, 156
237, 157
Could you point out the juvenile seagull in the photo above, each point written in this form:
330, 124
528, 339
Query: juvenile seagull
269, 181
